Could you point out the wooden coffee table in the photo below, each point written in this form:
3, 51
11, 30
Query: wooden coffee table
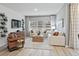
37, 39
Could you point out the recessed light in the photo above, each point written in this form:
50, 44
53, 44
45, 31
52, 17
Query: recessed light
35, 9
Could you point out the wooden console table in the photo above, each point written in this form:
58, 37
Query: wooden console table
37, 39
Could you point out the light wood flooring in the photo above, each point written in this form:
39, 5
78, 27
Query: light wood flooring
40, 49
55, 51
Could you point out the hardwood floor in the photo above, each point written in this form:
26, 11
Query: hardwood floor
40, 49
55, 51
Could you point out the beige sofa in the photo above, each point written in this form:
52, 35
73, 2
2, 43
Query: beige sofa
57, 40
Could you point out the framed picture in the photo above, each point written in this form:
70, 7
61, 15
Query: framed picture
15, 23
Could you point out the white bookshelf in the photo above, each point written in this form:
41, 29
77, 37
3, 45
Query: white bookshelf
40, 25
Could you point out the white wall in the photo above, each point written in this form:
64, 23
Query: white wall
63, 14
10, 15
53, 22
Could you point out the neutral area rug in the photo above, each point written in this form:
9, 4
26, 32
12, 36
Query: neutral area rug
37, 45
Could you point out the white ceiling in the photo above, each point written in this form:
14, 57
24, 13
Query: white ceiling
28, 8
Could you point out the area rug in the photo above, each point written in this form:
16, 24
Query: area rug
37, 45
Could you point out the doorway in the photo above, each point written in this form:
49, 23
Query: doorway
39, 24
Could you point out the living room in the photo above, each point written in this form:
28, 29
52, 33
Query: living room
39, 27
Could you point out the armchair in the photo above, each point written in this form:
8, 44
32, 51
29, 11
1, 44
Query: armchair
58, 40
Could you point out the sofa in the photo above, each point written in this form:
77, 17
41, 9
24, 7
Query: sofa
57, 39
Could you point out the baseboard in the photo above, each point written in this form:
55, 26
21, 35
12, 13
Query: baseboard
3, 47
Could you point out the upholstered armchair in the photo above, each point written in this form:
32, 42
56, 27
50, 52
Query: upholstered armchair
15, 40
12, 41
57, 39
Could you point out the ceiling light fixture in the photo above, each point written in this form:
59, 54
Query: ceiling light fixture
35, 9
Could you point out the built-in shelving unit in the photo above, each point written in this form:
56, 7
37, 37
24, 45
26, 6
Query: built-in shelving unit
3, 23
40, 24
